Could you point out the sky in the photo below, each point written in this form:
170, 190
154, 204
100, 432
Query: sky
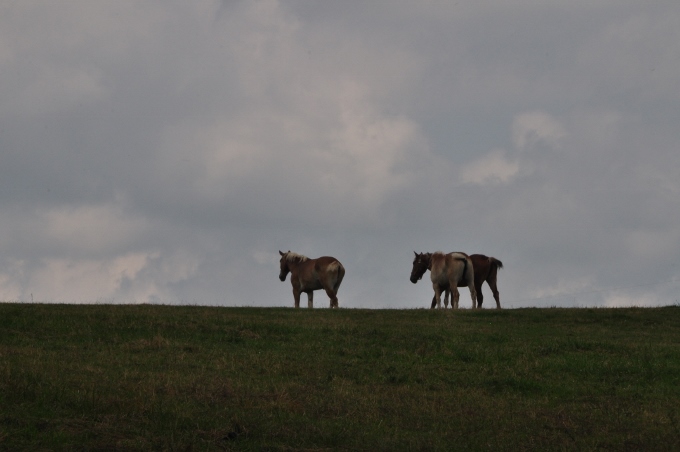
165, 151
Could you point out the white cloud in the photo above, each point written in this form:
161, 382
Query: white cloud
561, 286
136, 277
640, 300
352, 165
492, 168
266, 257
537, 128
81, 280
309, 127
369, 154
91, 229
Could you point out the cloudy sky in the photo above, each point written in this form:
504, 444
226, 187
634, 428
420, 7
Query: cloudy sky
164, 151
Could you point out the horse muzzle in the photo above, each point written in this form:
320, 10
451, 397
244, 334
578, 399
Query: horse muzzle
282, 277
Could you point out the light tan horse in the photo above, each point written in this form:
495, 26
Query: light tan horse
447, 273
485, 269
308, 275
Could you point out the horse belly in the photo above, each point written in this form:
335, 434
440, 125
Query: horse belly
441, 280
308, 286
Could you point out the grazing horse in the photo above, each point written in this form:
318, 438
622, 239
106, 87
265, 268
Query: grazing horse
485, 269
447, 273
308, 275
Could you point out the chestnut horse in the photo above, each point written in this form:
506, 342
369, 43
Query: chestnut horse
447, 271
308, 275
485, 269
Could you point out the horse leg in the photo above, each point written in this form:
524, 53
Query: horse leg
310, 299
480, 296
437, 295
296, 296
434, 302
494, 289
332, 295
455, 295
473, 295
447, 293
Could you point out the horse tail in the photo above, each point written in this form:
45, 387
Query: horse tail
469, 271
339, 270
495, 263
467, 279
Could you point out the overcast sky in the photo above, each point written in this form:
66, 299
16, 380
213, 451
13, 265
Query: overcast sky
165, 151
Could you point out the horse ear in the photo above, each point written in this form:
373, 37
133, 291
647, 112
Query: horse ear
281, 253
415, 253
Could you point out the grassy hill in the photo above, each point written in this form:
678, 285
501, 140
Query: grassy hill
200, 378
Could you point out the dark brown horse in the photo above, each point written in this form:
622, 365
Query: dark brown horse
308, 275
485, 269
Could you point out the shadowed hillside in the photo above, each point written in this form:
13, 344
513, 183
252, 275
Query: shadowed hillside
161, 377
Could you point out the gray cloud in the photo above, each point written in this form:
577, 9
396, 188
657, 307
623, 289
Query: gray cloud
165, 152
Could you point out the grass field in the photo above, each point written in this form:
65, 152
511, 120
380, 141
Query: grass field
200, 378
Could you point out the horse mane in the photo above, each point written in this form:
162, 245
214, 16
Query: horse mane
295, 257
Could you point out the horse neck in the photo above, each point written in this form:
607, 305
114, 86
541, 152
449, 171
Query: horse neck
295, 264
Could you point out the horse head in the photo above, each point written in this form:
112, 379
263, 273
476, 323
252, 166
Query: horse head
420, 265
283, 263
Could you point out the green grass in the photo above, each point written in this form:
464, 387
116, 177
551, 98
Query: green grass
199, 378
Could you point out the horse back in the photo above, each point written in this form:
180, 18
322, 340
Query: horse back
325, 261
484, 266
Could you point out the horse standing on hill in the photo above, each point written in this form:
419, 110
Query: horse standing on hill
447, 273
308, 275
485, 269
